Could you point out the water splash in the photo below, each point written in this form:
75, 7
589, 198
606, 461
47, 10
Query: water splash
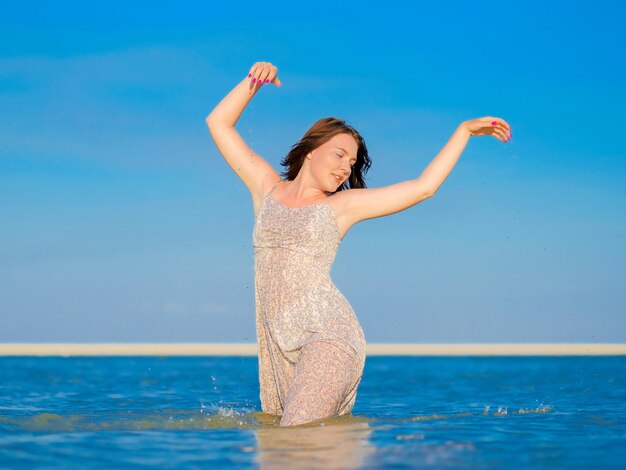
219, 418
213, 416
541, 409
512, 149
500, 411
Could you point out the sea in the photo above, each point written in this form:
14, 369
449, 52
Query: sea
410, 412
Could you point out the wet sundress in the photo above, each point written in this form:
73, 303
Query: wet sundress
311, 345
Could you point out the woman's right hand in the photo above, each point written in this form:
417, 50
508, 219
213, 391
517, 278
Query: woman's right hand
264, 72
496, 127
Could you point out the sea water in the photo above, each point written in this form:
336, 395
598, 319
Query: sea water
199, 412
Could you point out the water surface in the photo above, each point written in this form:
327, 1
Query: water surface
485, 412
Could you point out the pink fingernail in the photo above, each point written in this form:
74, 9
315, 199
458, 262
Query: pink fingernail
253, 80
249, 75
494, 123
267, 80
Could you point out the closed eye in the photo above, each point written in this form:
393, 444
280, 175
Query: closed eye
352, 162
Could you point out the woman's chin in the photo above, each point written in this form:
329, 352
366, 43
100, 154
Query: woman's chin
337, 184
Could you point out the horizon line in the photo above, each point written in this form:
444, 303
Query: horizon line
372, 349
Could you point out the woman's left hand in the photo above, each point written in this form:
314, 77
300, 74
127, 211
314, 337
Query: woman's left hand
489, 125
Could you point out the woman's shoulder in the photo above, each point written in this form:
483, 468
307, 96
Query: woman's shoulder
265, 188
268, 184
340, 200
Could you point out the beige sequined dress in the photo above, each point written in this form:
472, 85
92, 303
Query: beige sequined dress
298, 306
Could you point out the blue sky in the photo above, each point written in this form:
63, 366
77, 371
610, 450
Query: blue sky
121, 222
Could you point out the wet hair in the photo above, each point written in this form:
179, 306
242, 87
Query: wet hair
318, 134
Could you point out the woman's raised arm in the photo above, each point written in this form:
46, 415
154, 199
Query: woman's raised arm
253, 170
361, 204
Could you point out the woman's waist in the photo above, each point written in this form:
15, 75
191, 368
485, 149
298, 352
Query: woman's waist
292, 264
292, 289
318, 309
309, 248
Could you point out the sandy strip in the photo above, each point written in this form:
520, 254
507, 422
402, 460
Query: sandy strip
247, 349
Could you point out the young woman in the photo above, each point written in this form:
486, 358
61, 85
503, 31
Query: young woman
311, 346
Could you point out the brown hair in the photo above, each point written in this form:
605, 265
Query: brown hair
318, 134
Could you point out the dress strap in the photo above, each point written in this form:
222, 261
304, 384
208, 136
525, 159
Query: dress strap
271, 190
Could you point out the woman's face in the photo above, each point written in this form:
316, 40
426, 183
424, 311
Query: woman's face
331, 163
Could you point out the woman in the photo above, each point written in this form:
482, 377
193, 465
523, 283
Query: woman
311, 346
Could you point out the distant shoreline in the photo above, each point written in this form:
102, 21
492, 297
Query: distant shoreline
250, 349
